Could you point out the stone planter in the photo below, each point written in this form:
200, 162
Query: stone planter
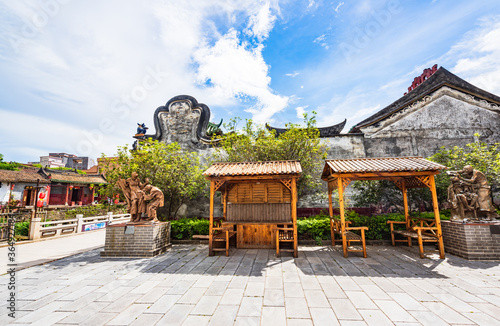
472, 241
145, 239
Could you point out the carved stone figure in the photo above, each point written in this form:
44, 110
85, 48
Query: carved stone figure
141, 129
155, 197
133, 190
469, 196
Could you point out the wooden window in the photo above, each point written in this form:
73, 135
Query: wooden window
259, 193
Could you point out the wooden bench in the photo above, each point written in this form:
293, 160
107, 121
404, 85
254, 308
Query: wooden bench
284, 233
336, 228
222, 233
422, 229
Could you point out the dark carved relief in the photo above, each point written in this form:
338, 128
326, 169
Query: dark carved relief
185, 121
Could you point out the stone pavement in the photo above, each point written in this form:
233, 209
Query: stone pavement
46, 250
251, 287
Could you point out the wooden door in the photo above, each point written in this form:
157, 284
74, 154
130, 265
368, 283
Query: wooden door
256, 236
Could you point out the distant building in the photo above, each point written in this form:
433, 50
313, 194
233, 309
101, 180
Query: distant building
19, 187
56, 187
71, 188
54, 160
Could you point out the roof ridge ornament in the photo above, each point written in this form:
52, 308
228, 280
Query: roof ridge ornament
423, 77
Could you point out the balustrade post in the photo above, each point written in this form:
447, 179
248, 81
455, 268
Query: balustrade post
35, 228
79, 224
110, 218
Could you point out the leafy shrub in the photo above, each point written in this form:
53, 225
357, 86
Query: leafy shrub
185, 228
22, 228
315, 227
318, 227
378, 229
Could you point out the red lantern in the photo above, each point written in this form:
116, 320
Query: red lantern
12, 186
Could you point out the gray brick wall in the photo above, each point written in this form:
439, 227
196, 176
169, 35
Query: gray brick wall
147, 240
472, 241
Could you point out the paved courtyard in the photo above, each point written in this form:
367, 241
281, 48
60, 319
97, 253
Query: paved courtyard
253, 287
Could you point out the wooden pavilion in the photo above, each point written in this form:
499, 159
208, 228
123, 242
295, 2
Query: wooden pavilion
406, 173
259, 202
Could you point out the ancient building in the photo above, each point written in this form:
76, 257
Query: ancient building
444, 110
440, 109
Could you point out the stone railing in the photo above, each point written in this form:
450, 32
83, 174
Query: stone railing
39, 229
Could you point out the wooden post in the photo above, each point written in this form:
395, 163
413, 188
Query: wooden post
224, 204
212, 191
82, 191
437, 218
342, 215
330, 210
294, 217
67, 193
407, 215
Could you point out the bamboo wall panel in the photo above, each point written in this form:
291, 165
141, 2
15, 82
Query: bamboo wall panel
266, 212
259, 193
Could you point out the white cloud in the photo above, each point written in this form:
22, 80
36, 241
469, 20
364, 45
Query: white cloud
301, 110
479, 53
83, 61
294, 74
236, 69
321, 41
261, 23
338, 6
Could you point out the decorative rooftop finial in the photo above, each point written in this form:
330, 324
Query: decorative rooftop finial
423, 77
141, 129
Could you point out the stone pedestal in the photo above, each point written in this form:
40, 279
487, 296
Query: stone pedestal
472, 241
143, 239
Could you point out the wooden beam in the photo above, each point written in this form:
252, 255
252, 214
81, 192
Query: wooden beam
294, 217
224, 204
437, 218
218, 184
330, 210
210, 240
253, 178
67, 194
405, 204
383, 175
340, 187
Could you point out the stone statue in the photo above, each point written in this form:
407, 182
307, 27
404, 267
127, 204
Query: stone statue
141, 129
469, 196
155, 197
133, 190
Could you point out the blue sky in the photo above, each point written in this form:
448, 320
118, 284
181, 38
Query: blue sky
78, 75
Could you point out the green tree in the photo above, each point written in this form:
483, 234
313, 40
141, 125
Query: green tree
256, 143
176, 172
384, 192
480, 155
8, 165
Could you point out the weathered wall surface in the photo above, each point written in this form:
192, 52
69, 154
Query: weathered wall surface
447, 118
344, 146
444, 118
